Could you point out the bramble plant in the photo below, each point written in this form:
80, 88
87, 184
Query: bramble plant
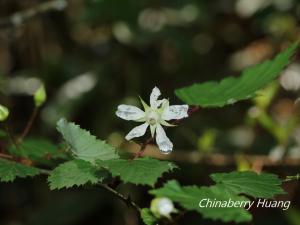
85, 159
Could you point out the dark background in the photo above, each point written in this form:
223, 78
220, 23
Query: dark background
95, 54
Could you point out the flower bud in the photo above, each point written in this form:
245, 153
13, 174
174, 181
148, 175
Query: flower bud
162, 207
4, 112
40, 96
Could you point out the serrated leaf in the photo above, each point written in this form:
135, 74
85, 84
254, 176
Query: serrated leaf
143, 170
74, 173
250, 183
37, 149
10, 170
84, 145
190, 196
233, 89
148, 217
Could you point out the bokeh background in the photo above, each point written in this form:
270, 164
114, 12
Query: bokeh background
95, 54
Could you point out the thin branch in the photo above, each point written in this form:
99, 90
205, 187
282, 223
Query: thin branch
292, 178
29, 124
125, 199
5, 156
20, 17
220, 159
143, 148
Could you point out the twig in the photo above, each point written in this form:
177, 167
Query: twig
125, 199
29, 124
292, 178
20, 17
44, 171
193, 109
143, 148
6, 156
220, 159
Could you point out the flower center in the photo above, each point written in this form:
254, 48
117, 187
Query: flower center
152, 117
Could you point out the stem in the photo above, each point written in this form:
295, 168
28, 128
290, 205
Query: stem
6, 156
29, 124
292, 178
191, 111
143, 148
125, 199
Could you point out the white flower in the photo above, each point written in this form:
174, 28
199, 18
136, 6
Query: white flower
153, 116
162, 207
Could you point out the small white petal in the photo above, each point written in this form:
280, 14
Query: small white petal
128, 112
175, 112
162, 103
137, 131
153, 97
163, 142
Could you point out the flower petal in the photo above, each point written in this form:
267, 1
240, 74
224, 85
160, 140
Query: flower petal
175, 112
153, 97
162, 103
163, 142
137, 131
128, 112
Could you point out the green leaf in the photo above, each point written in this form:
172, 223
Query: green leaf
190, 196
233, 89
84, 145
37, 149
74, 173
143, 170
9, 170
148, 217
250, 183
229, 186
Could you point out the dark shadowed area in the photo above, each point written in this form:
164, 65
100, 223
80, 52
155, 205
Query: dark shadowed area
93, 55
